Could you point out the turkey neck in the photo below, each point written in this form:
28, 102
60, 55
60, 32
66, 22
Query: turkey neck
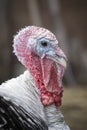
52, 114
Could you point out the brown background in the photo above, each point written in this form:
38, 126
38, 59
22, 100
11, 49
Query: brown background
67, 19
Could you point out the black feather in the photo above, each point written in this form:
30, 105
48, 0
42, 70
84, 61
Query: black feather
14, 117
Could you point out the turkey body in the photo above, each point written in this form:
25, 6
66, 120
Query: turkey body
20, 105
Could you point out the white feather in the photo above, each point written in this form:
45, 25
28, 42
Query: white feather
23, 91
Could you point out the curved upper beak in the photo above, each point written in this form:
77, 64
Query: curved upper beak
60, 60
58, 56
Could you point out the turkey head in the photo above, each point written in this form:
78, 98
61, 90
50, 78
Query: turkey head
37, 49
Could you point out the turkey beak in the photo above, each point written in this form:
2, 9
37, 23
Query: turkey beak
57, 56
60, 60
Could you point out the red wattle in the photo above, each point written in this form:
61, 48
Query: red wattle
47, 97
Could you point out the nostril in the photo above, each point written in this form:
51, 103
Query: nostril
59, 56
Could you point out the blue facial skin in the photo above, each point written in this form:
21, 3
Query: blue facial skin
43, 46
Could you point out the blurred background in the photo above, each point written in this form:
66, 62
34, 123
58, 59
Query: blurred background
67, 19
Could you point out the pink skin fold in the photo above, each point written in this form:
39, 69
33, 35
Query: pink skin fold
52, 74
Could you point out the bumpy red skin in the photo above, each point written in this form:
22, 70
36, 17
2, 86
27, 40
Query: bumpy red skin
32, 62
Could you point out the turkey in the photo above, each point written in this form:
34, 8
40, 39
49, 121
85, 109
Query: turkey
31, 101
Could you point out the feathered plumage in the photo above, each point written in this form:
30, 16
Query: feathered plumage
20, 105
30, 101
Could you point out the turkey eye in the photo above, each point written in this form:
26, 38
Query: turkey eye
44, 43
